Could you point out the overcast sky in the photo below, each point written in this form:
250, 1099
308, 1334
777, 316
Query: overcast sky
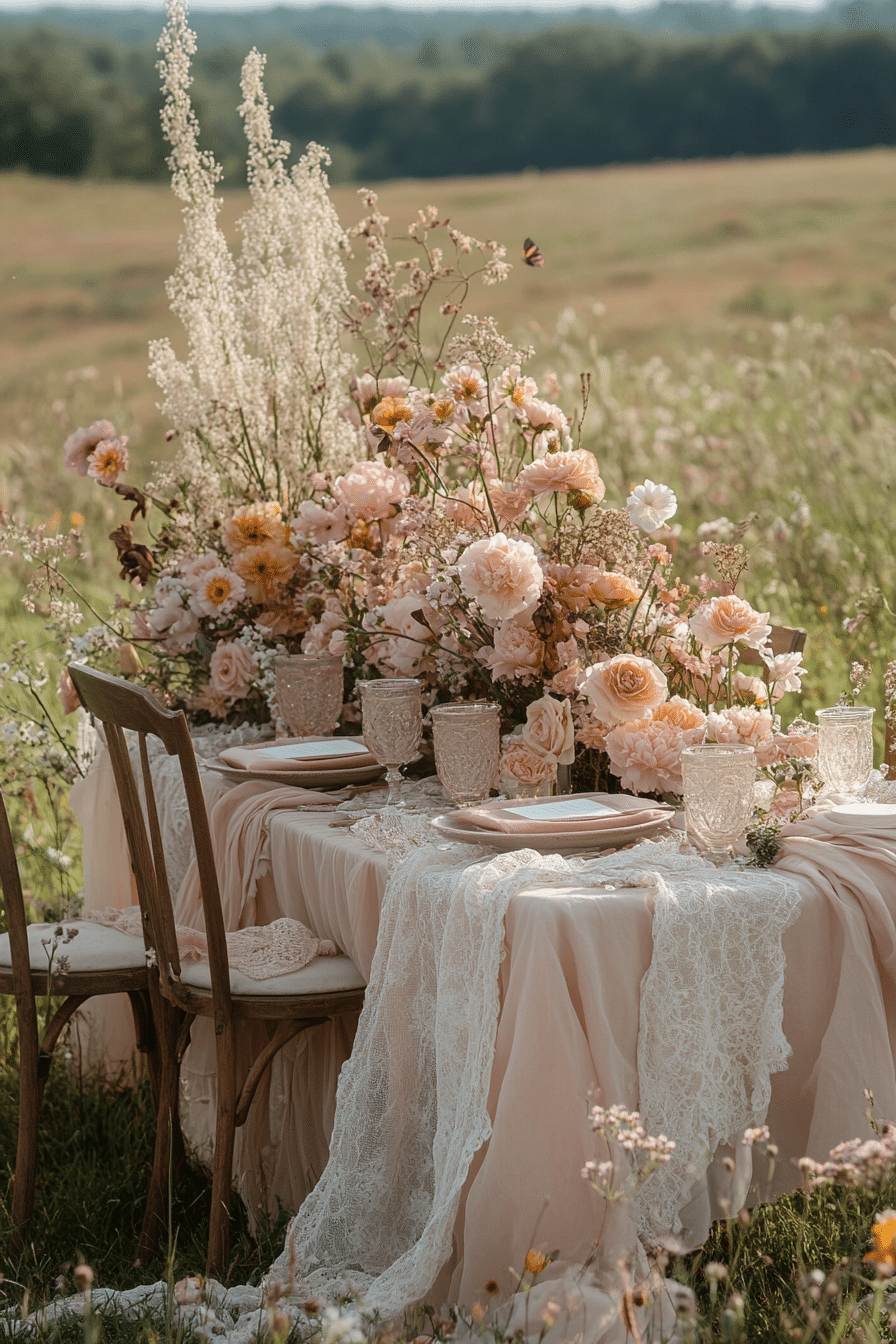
471, 5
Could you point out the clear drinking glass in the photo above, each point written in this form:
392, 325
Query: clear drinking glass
392, 724
718, 794
309, 692
845, 748
467, 741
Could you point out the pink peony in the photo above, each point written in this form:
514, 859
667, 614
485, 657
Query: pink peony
502, 575
624, 688
408, 644
646, 754
740, 724
232, 668
370, 490
317, 524
78, 446
544, 415
569, 469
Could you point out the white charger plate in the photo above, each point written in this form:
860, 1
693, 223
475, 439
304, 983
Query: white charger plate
553, 842
861, 816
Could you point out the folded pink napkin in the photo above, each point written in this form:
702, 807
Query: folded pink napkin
332, 753
574, 812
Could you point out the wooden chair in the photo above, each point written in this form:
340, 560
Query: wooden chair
783, 639
323, 989
94, 960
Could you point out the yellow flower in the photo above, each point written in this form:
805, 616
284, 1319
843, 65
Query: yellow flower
390, 412
264, 568
255, 525
218, 589
77, 519
536, 1261
883, 1236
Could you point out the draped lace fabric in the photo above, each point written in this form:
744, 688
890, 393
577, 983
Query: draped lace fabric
260, 952
411, 1109
412, 1101
711, 1027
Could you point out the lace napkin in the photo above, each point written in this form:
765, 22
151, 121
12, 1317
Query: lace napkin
261, 953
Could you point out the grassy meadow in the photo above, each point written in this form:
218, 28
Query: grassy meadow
733, 315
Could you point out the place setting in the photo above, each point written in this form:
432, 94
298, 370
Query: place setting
309, 691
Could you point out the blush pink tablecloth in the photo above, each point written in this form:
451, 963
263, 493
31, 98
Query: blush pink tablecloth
567, 1033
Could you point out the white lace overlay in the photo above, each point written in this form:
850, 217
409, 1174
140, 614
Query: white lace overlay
411, 1106
711, 1029
412, 1101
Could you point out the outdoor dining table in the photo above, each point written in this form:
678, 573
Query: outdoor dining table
575, 956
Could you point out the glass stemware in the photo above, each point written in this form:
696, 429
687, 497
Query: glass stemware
845, 749
718, 794
467, 741
309, 693
392, 724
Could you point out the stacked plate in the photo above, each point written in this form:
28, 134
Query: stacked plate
310, 764
863, 816
580, 821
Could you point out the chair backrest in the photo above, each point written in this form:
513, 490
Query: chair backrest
783, 639
17, 927
121, 706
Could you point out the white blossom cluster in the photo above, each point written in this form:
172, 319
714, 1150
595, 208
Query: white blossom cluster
257, 401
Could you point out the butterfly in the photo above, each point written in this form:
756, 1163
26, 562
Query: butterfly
531, 253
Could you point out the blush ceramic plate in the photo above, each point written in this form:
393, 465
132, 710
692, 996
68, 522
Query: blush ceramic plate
549, 842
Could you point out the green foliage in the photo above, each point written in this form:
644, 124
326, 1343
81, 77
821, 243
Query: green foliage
93, 1167
577, 95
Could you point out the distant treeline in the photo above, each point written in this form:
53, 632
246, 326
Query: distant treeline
575, 96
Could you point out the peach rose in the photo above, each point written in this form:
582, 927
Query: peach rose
613, 591
520, 765
232, 668
680, 713
568, 469
625, 688
549, 730
517, 652
502, 575
729, 620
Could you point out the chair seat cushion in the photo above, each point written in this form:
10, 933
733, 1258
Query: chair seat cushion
323, 975
94, 948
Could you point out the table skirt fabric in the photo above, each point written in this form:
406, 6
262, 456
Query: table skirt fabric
567, 1037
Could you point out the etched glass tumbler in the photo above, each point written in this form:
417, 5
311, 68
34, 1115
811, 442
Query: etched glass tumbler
718, 794
467, 741
845, 748
392, 724
309, 692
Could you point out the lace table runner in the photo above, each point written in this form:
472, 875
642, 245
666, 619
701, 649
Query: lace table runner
412, 1099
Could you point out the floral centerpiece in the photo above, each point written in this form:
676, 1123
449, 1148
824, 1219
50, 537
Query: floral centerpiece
375, 475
